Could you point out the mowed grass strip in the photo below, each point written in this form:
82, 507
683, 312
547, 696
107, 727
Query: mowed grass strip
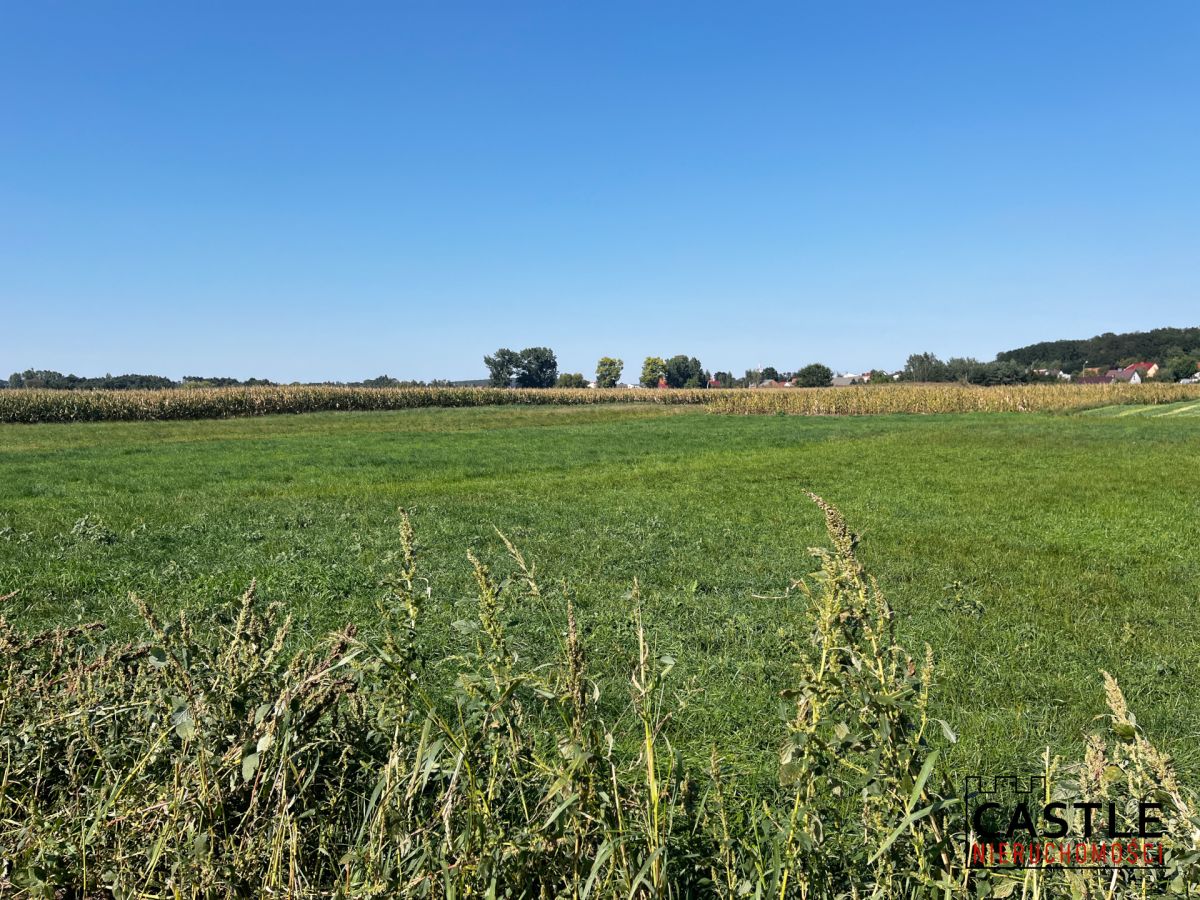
1029, 551
1184, 408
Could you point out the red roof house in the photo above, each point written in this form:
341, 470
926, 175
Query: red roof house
1145, 369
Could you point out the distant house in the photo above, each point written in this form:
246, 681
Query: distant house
1060, 374
845, 380
1127, 377
1145, 369
713, 383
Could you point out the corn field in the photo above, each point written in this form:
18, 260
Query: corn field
25, 405
214, 759
30, 406
868, 400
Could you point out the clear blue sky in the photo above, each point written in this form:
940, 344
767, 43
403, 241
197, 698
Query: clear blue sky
304, 191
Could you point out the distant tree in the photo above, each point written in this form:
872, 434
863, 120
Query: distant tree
1181, 366
502, 365
684, 372
41, 378
752, 377
769, 373
960, 368
924, 367
608, 371
879, 376
56, 381
654, 368
725, 379
381, 381
572, 380
1001, 372
814, 375
537, 367
222, 381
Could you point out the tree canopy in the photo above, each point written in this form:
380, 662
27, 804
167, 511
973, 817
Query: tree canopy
653, 368
814, 375
502, 366
685, 372
1107, 350
535, 367
608, 371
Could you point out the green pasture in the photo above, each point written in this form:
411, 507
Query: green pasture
1029, 551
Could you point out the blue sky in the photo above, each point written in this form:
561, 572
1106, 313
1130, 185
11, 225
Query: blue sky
334, 191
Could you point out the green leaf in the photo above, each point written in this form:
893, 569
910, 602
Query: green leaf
926, 769
249, 765
790, 773
181, 718
910, 819
200, 845
947, 731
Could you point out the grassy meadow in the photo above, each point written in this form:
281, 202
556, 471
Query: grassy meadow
1029, 551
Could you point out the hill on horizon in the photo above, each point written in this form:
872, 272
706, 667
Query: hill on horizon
1108, 350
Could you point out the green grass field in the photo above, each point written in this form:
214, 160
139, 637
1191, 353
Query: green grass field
1030, 551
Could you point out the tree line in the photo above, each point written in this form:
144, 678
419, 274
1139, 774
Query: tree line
1176, 350
927, 367
46, 379
537, 367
